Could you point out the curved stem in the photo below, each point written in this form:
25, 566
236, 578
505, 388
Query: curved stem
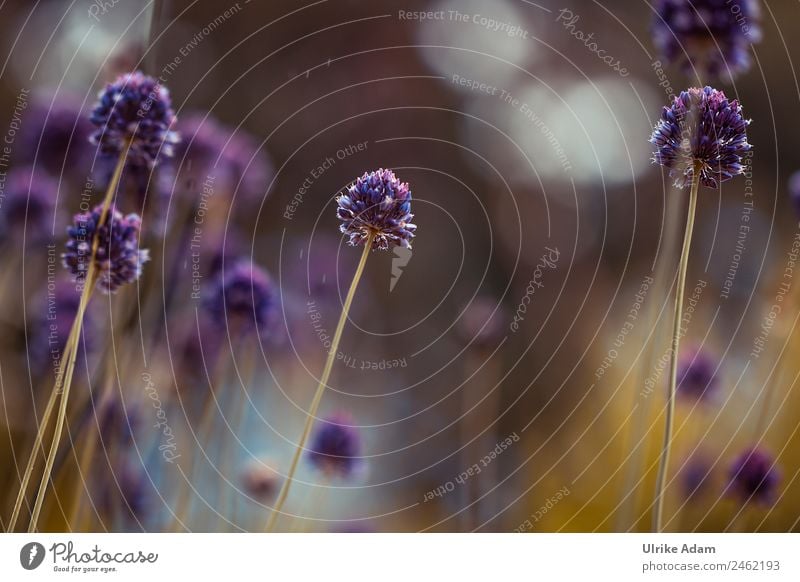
77, 325
26, 477
658, 511
92, 438
323, 382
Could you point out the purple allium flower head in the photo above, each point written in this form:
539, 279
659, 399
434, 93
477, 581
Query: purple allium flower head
794, 191
697, 374
380, 204
260, 481
712, 36
701, 127
754, 476
29, 203
56, 134
119, 259
336, 446
481, 324
135, 108
244, 296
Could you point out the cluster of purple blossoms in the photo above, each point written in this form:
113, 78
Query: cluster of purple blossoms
709, 36
697, 377
754, 477
118, 260
702, 130
336, 446
29, 203
377, 205
244, 297
135, 109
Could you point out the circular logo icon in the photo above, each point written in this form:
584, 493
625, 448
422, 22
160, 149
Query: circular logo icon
31, 555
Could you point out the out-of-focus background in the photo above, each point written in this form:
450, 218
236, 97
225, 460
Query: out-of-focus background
505, 375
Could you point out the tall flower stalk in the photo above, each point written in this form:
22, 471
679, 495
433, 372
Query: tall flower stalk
674, 350
376, 213
64, 376
701, 138
133, 118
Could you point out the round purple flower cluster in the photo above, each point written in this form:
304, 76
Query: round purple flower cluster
754, 476
711, 36
136, 109
378, 204
243, 296
701, 129
118, 260
336, 446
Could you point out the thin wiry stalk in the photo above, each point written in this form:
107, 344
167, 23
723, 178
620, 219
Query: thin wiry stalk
77, 326
323, 382
658, 510
26, 477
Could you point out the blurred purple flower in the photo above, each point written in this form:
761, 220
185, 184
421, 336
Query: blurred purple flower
56, 135
697, 375
119, 259
709, 35
57, 310
211, 156
118, 421
481, 325
251, 168
335, 446
199, 155
701, 127
135, 108
125, 493
695, 475
260, 481
243, 296
29, 204
379, 204
794, 191
754, 477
